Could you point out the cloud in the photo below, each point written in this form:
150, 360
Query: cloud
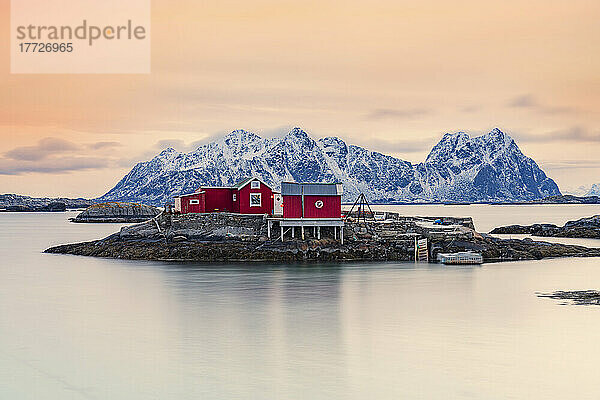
389, 147
177, 144
529, 101
181, 145
45, 148
471, 109
570, 164
51, 165
103, 145
573, 134
387, 113
54, 155
524, 101
186, 147
275, 132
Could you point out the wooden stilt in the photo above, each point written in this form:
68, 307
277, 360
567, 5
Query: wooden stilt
319, 232
282, 233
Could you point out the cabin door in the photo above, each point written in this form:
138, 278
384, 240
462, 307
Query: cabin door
277, 204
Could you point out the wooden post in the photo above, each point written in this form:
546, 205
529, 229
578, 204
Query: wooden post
269, 229
282, 233
342, 234
319, 232
292, 232
416, 250
314, 231
335, 232
302, 230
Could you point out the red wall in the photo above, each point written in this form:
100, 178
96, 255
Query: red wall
266, 200
219, 199
292, 206
332, 207
187, 208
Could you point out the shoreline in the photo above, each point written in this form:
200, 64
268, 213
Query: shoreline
221, 237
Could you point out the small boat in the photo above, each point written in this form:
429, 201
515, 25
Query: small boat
460, 258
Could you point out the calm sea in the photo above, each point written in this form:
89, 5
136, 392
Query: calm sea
85, 328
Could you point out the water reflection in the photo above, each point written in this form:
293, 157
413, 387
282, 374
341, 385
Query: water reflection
77, 327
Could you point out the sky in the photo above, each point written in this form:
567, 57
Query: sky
391, 76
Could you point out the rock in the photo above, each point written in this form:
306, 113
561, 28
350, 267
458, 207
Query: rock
582, 228
117, 212
577, 297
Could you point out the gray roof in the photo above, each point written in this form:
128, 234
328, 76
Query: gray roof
246, 181
314, 189
242, 183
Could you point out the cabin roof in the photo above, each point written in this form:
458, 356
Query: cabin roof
190, 194
314, 189
246, 181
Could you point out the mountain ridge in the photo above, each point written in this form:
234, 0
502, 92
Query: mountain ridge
459, 168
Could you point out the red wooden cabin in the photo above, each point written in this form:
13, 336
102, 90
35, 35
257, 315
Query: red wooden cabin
249, 196
312, 200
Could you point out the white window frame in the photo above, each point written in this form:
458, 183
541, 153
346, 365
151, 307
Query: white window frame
235, 197
259, 200
194, 201
255, 185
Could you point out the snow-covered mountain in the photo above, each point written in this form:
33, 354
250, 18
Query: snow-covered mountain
584, 190
594, 190
458, 169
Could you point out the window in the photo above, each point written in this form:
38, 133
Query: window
194, 201
319, 203
255, 200
234, 197
255, 185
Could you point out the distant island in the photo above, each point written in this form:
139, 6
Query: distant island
570, 199
21, 203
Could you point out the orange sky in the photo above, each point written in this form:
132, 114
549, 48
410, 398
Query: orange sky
392, 76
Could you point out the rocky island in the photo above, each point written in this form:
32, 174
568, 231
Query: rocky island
117, 212
569, 199
234, 237
582, 228
20, 203
575, 297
